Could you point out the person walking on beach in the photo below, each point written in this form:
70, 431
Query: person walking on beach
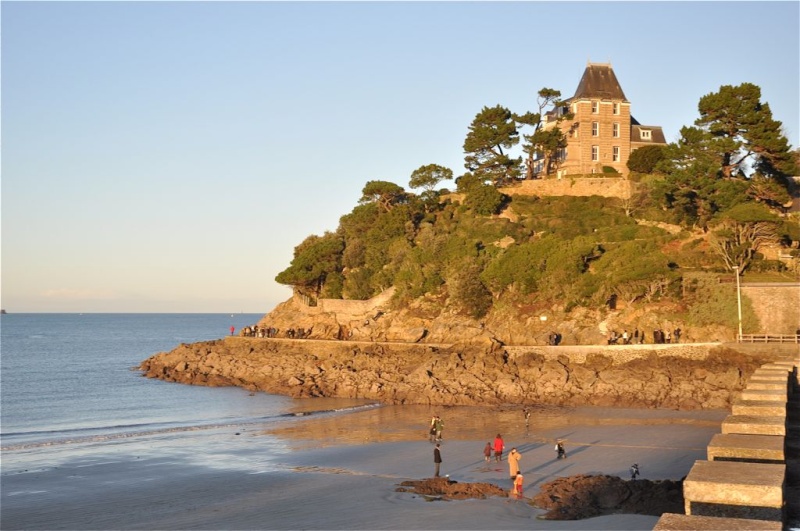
487, 452
561, 453
432, 429
499, 446
513, 463
438, 427
437, 460
527, 413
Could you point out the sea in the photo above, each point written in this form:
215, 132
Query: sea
70, 389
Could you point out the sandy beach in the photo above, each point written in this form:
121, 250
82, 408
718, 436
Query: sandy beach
341, 471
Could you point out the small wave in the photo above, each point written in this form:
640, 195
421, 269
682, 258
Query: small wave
133, 431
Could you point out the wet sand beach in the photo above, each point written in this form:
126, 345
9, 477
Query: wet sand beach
341, 471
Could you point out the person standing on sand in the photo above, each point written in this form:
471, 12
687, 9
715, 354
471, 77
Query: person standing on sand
499, 446
432, 429
437, 460
527, 413
439, 427
562, 454
487, 451
513, 463
518, 485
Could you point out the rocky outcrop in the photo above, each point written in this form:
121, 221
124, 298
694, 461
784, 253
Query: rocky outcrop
587, 496
679, 376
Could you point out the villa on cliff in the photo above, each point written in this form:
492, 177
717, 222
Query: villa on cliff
602, 132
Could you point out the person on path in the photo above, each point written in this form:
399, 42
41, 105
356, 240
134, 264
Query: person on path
232, 329
437, 460
513, 463
499, 446
487, 452
562, 454
518, 485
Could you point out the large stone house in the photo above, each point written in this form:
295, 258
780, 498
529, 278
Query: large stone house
602, 132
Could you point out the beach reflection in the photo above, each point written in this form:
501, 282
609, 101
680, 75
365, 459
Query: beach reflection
399, 423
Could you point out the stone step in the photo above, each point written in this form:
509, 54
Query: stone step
759, 408
754, 425
685, 522
757, 384
757, 394
735, 489
730, 446
771, 375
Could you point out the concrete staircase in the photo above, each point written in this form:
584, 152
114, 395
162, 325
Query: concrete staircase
751, 479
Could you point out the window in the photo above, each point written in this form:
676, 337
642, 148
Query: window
595, 107
615, 130
595, 128
615, 153
646, 134
595, 153
616, 108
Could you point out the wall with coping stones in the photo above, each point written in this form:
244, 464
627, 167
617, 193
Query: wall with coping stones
620, 354
583, 186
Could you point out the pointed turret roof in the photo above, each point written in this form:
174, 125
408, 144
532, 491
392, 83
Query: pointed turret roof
599, 81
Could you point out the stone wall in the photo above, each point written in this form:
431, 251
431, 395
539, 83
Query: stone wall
581, 186
777, 306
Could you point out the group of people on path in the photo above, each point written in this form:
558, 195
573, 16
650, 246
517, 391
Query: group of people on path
637, 338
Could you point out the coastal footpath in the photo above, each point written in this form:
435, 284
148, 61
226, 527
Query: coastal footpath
684, 376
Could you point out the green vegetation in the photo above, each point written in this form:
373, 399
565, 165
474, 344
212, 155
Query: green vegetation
724, 184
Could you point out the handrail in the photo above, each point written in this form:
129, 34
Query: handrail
769, 338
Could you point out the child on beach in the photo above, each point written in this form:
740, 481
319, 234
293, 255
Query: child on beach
518, 485
487, 451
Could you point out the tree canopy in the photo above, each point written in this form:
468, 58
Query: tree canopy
491, 134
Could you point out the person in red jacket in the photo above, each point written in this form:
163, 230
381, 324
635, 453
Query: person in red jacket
499, 446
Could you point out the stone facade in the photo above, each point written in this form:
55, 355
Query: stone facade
602, 131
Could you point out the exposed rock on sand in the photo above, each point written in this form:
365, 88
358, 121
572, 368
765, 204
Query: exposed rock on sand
447, 489
584, 496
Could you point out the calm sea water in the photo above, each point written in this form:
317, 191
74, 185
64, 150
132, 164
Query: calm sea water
69, 386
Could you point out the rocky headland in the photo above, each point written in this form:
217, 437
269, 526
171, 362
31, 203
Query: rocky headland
696, 376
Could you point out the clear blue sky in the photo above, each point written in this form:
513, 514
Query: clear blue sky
168, 157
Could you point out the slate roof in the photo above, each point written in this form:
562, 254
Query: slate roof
599, 82
656, 133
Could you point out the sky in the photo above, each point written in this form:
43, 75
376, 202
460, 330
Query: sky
169, 156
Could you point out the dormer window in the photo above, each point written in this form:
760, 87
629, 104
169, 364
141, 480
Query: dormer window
646, 134
595, 107
616, 108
